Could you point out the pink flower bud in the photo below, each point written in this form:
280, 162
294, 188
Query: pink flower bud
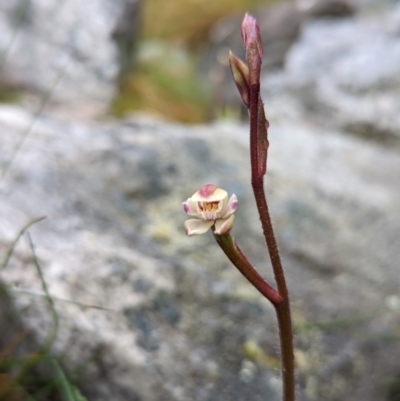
251, 34
254, 50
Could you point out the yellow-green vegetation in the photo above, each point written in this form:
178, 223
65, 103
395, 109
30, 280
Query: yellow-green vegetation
253, 351
8, 95
189, 21
22, 373
164, 84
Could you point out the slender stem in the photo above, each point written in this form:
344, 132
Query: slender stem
239, 260
266, 223
282, 309
287, 351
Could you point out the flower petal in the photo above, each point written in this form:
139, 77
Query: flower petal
231, 206
194, 227
209, 193
223, 226
191, 207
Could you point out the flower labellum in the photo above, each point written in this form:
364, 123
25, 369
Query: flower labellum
213, 208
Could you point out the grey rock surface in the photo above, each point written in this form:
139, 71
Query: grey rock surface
73, 45
345, 74
180, 323
154, 315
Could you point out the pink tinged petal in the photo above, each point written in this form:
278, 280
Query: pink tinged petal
191, 208
231, 207
186, 206
223, 226
209, 193
207, 190
232, 203
194, 227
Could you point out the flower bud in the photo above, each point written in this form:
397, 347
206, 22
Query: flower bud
251, 35
241, 76
254, 50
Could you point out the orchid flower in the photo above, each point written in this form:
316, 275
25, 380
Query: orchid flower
212, 206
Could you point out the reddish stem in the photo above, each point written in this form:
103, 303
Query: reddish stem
239, 260
248, 82
282, 309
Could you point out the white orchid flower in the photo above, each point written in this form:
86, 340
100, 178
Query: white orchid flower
211, 205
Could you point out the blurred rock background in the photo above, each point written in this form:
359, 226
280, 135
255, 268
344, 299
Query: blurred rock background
93, 97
